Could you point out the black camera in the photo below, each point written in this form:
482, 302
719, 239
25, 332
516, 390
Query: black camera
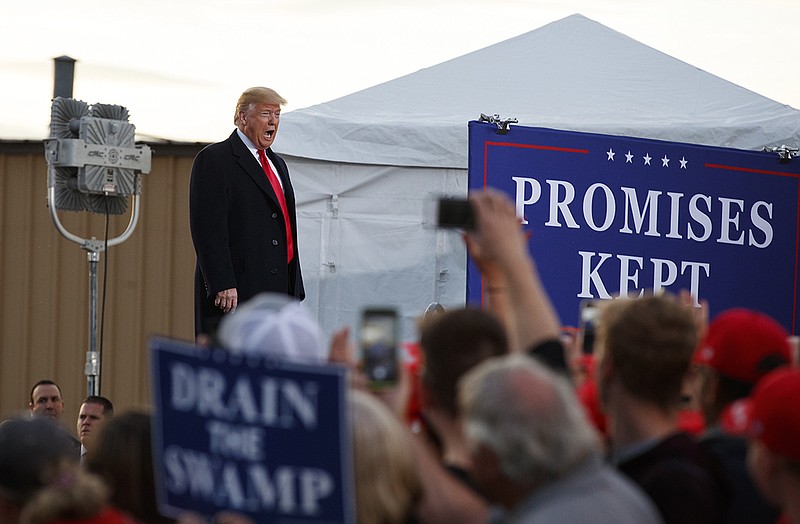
455, 213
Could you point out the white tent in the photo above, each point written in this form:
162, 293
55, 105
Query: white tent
366, 165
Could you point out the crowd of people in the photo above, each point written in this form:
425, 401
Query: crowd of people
502, 429
500, 433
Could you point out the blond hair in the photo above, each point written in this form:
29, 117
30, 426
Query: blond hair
388, 484
70, 494
256, 95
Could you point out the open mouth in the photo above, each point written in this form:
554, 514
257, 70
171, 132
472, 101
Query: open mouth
269, 133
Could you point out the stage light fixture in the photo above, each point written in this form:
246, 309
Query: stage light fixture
93, 162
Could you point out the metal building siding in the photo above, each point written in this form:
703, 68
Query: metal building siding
44, 282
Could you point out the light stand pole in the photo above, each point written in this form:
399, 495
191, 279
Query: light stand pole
92, 368
93, 165
94, 248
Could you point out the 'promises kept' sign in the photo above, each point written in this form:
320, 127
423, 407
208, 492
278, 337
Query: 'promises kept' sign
615, 216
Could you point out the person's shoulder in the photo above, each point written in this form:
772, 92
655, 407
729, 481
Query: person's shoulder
684, 445
596, 493
675, 459
675, 450
76, 444
275, 157
725, 446
604, 478
629, 499
223, 145
214, 154
680, 464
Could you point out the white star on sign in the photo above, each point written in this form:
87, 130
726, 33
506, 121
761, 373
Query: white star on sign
647, 159
665, 161
683, 162
629, 158
610, 154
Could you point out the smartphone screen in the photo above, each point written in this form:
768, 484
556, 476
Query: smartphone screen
378, 341
588, 318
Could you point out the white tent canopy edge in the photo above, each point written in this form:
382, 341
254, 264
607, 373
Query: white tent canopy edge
366, 165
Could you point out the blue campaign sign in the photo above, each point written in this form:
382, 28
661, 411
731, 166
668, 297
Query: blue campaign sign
269, 440
614, 215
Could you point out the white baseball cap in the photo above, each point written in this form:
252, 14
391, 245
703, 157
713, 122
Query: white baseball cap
275, 326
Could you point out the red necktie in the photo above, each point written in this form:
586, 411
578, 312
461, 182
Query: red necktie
276, 186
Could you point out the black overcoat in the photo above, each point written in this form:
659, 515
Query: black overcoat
238, 229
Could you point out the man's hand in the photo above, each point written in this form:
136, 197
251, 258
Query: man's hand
498, 237
227, 299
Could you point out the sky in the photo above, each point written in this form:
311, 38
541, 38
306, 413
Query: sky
179, 65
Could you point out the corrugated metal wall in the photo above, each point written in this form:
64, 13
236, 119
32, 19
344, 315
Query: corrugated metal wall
44, 282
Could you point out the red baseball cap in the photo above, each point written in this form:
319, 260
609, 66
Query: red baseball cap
771, 414
743, 344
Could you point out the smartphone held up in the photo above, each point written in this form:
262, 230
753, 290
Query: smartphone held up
378, 346
589, 313
455, 213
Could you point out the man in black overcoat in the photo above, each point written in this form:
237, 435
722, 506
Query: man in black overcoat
242, 215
